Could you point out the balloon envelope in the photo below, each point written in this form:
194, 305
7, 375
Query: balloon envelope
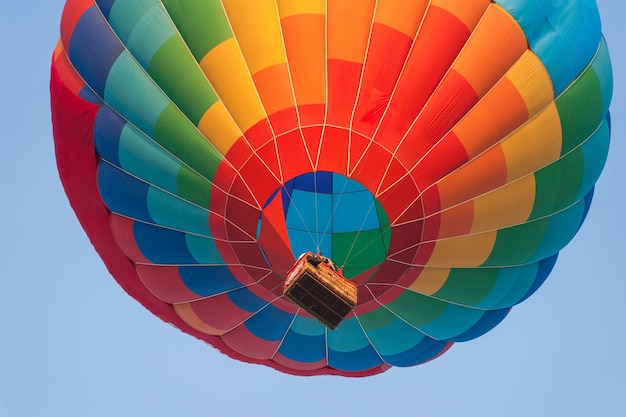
441, 152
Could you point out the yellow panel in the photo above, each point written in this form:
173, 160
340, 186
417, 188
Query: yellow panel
186, 313
464, 251
532, 81
229, 76
430, 280
293, 7
467, 11
506, 206
219, 127
534, 145
256, 27
402, 15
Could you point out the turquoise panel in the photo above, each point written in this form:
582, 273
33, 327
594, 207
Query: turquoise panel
347, 337
454, 321
150, 33
124, 15
561, 229
394, 338
354, 211
170, 211
143, 158
203, 250
595, 152
131, 93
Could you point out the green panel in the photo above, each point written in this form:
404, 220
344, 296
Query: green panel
558, 184
358, 251
580, 109
376, 319
174, 132
515, 245
175, 71
193, 188
468, 286
202, 24
417, 309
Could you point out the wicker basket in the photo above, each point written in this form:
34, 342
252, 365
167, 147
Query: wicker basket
320, 290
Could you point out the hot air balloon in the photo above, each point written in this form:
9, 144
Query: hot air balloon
430, 158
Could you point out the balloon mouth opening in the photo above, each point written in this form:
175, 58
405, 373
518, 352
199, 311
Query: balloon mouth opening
324, 213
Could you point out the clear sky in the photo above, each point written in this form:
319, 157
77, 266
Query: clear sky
72, 343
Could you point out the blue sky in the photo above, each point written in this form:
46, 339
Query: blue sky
72, 343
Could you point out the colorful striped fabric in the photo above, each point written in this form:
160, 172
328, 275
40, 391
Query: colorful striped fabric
441, 152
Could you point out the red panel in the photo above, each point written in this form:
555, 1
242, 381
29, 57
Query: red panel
284, 120
448, 155
293, 155
358, 146
388, 273
313, 139
258, 178
259, 134
334, 151
371, 169
124, 236
451, 102
73, 11
246, 343
398, 198
302, 366
439, 41
212, 312
165, 283
431, 201
311, 114
239, 153
268, 154
395, 172
343, 84
423, 254
387, 52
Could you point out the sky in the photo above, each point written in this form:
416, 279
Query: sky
73, 343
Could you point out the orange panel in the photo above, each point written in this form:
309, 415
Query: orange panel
478, 177
494, 46
349, 29
467, 11
497, 115
401, 15
305, 39
274, 88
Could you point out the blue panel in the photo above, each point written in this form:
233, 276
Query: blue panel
92, 33
563, 34
454, 321
302, 348
105, 6
162, 246
359, 360
270, 323
107, 130
87, 93
309, 211
123, 193
354, 212
312, 182
394, 338
545, 267
208, 280
342, 184
424, 351
511, 286
488, 321
246, 300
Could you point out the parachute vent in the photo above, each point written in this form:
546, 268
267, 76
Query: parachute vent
320, 289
